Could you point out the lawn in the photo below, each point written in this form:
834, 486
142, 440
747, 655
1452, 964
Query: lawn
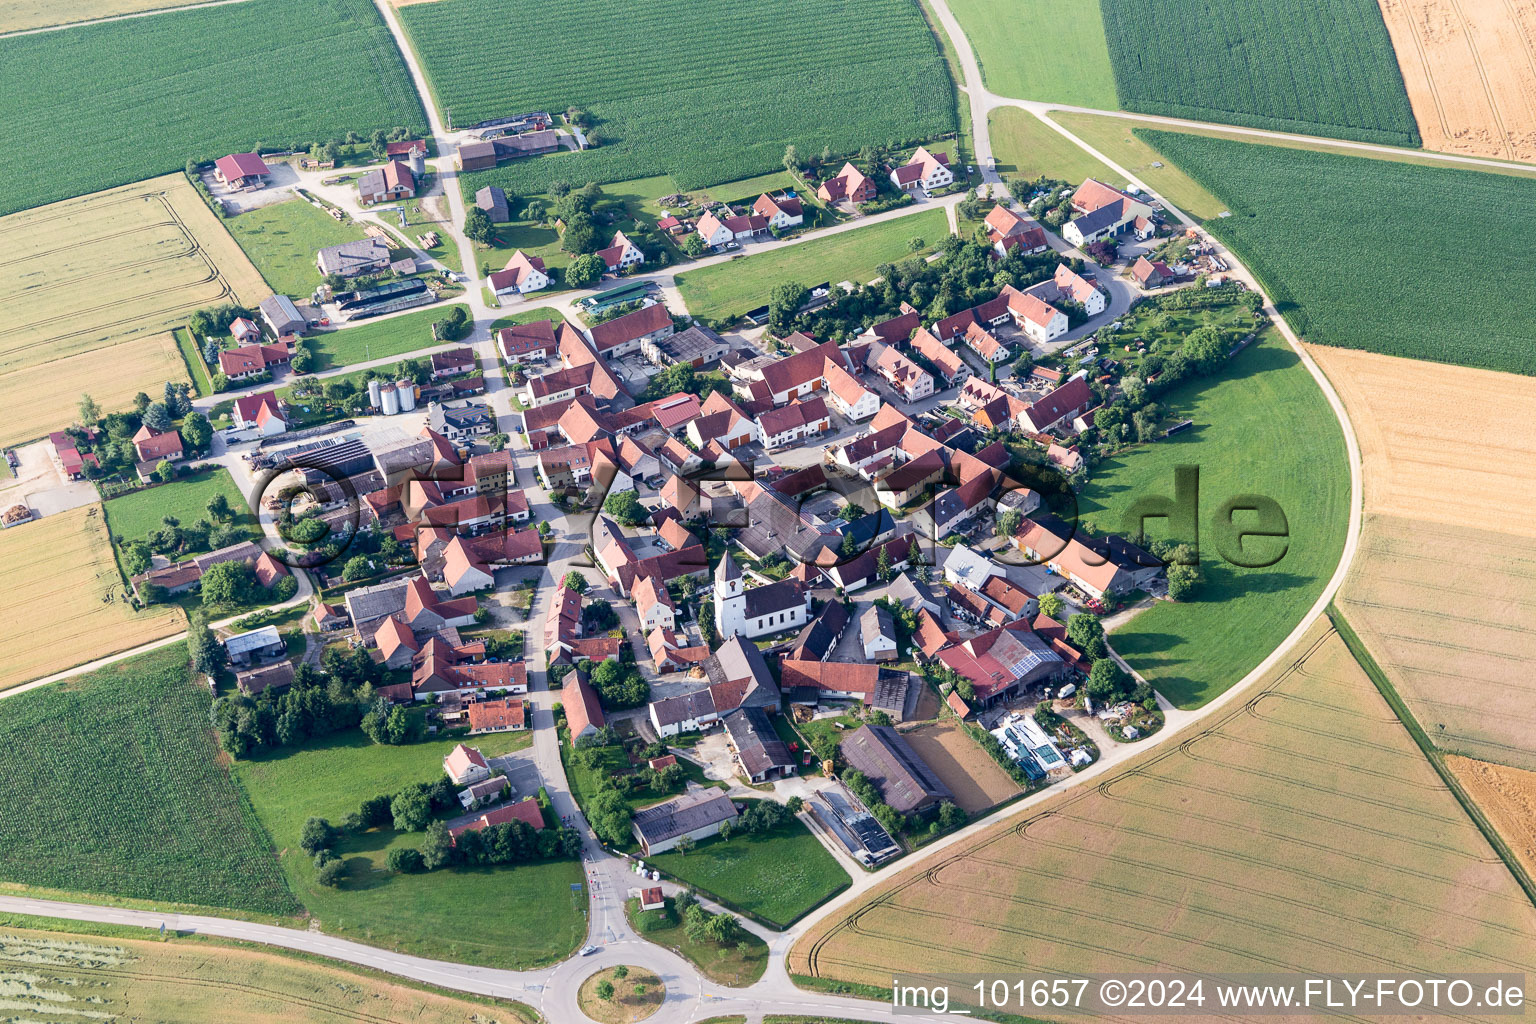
126, 100
193, 359
62, 599
132, 516
723, 114
528, 316
160, 819
1116, 139
1327, 236
282, 239
514, 917
1261, 427
777, 876
1026, 147
378, 339
1006, 35
1292, 66
726, 290
725, 965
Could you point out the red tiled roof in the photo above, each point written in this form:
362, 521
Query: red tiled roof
630, 326
527, 811
241, 165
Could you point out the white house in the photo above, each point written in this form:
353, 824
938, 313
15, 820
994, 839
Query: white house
877, 633
759, 611
904, 376
1041, 321
794, 422
690, 712
970, 569
260, 412
465, 765
781, 214
522, 274
653, 604
1071, 285
621, 254
852, 400
923, 171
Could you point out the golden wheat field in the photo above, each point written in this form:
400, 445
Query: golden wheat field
1508, 797
1301, 831
87, 276
58, 976
61, 598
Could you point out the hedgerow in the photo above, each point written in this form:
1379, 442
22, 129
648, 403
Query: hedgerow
1319, 68
111, 784
1390, 257
704, 90
101, 105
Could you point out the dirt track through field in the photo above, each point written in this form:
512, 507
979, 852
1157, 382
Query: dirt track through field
1303, 830
1470, 70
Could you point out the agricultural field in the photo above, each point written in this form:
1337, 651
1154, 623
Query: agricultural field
133, 515
1073, 69
89, 288
1295, 66
730, 288
1508, 797
1026, 147
1334, 242
971, 775
778, 876
725, 113
160, 819
192, 981
1470, 73
1115, 138
194, 77
516, 917
1261, 426
1302, 830
378, 339
1442, 588
62, 602
21, 15
281, 240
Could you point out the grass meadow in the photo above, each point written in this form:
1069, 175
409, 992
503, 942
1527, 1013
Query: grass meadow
724, 291
113, 786
516, 917
101, 105
1261, 426
281, 240
1026, 147
1388, 257
1006, 34
377, 339
1301, 831
131, 516
718, 103
1293, 66
726, 965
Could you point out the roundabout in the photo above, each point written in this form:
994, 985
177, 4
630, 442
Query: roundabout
621, 995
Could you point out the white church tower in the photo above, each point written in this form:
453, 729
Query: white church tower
730, 598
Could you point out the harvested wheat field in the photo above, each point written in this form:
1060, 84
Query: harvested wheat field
1508, 797
20, 15
1302, 831
960, 763
87, 275
1470, 69
60, 976
62, 602
1443, 589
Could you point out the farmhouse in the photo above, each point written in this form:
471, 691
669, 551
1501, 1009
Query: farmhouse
459, 422
759, 752
484, 792
852, 400
456, 360
621, 254
1000, 663
819, 638
1070, 286
923, 172
350, 259
521, 275
504, 715
697, 814
985, 344
154, 445
251, 360
394, 181
877, 632
689, 712
717, 231
793, 422
781, 212
623, 335
950, 366
493, 201
906, 783
1099, 565
850, 184
1007, 230
1151, 273
1104, 211
739, 677
583, 712
1070, 400
265, 642
275, 677
810, 682
241, 169
282, 316
483, 155
904, 376
698, 347
262, 412
524, 342
526, 811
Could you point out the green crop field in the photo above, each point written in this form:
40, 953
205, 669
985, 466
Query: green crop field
1261, 426
705, 90
102, 105
731, 288
516, 917
1388, 257
132, 516
281, 240
1006, 34
112, 786
780, 875
1318, 68
378, 339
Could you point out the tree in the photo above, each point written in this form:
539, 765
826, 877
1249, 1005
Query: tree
619, 686
436, 847
794, 805
1183, 580
196, 431
584, 271
1050, 605
218, 506
915, 244
405, 860
625, 507
684, 846
164, 471
605, 990
791, 159
203, 648
478, 226
693, 245
318, 834
707, 623
784, 303
357, 567
332, 873
723, 929
621, 972
580, 236
1087, 633
1108, 682
227, 583
883, 564
136, 557
1009, 522
220, 382
90, 412
574, 580
157, 417
411, 810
